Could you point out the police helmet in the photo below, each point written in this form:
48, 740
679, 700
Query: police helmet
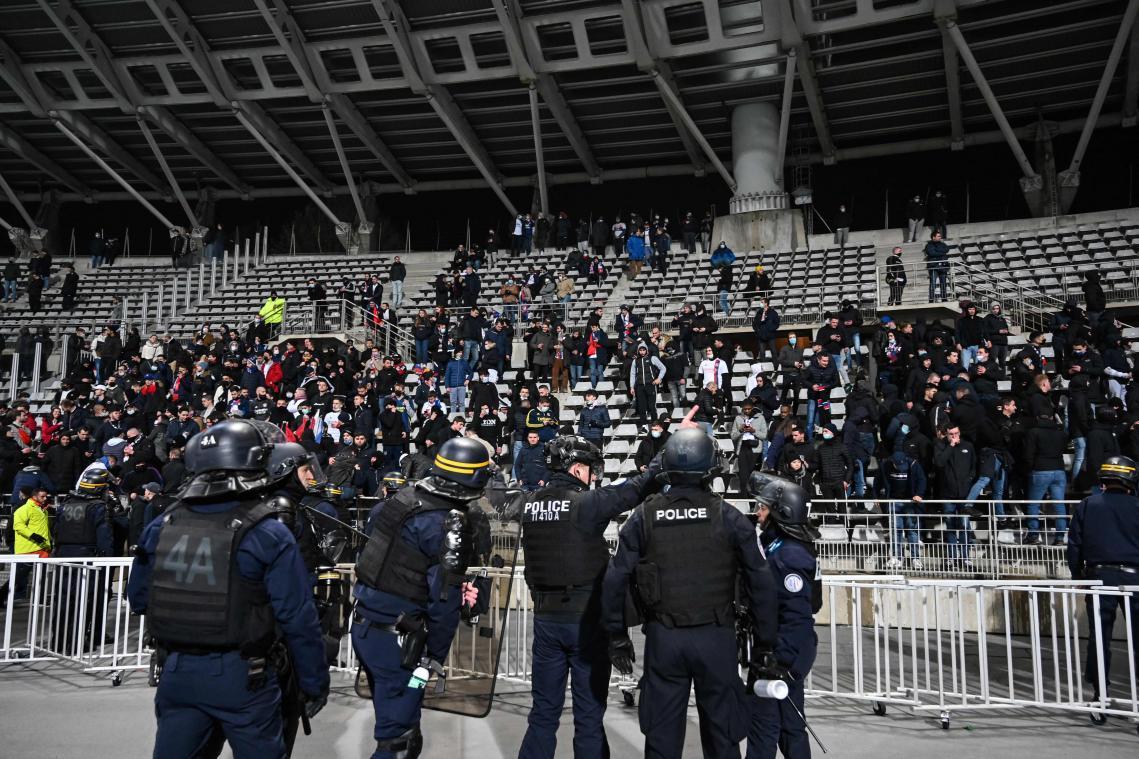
461, 469
393, 481
230, 457
565, 451
93, 481
286, 458
1119, 469
787, 505
690, 458
332, 490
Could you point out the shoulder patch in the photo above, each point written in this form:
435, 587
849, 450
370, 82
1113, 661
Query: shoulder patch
793, 583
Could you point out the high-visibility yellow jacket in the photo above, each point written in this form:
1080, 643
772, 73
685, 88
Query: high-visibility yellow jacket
30, 519
273, 311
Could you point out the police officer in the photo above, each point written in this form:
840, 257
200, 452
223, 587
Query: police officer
409, 589
83, 528
1103, 544
301, 498
787, 538
563, 526
221, 581
685, 548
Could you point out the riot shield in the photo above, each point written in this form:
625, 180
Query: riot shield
473, 665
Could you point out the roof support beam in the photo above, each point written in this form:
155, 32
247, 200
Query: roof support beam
113, 174
18, 145
793, 38
647, 62
177, 131
1131, 87
509, 14
158, 156
12, 75
1113, 57
15, 200
990, 99
93, 135
334, 133
316, 85
785, 114
952, 87
536, 125
672, 97
395, 25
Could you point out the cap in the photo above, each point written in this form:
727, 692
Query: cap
152, 487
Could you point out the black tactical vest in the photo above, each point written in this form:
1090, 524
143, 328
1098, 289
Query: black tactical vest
198, 600
388, 562
558, 554
73, 527
686, 548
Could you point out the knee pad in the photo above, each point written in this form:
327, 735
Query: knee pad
407, 746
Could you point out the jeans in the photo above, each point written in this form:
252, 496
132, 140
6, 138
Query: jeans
707, 427
458, 399
96, 262
422, 350
575, 370
10, 290
859, 479
841, 235
724, 308
913, 229
812, 413
1079, 454
397, 293
956, 531
1053, 484
904, 518
1000, 475
969, 356
938, 277
471, 351
856, 350
596, 371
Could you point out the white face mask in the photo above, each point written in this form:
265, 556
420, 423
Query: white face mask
656, 433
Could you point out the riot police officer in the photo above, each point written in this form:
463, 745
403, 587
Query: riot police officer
1103, 544
410, 588
296, 474
685, 548
220, 581
83, 528
563, 526
788, 539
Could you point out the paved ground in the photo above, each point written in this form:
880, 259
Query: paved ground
49, 714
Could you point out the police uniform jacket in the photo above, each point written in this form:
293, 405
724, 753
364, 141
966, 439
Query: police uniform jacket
740, 534
796, 574
1104, 530
267, 555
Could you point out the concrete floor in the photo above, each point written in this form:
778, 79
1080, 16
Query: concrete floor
48, 712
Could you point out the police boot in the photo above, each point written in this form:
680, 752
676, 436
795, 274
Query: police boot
406, 746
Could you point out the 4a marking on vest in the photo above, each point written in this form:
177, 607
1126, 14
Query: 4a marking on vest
201, 564
793, 583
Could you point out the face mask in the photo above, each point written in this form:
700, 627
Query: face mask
905, 429
828, 435
655, 433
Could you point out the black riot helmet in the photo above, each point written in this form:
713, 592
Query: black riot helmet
228, 458
787, 504
286, 459
393, 481
690, 458
93, 481
461, 469
566, 450
1119, 470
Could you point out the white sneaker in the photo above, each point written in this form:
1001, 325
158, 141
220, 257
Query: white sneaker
967, 564
894, 563
916, 564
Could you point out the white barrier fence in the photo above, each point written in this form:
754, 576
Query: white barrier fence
931, 645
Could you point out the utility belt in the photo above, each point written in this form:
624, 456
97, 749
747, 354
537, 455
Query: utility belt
720, 617
1125, 568
277, 656
411, 632
574, 599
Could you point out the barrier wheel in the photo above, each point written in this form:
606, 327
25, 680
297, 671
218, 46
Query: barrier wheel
1097, 719
630, 698
945, 720
879, 708
116, 679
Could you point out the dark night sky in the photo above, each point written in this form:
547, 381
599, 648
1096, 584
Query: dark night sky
987, 174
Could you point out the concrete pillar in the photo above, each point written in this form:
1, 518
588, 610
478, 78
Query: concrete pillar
755, 142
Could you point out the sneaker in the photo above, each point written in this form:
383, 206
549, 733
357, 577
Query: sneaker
916, 564
894, 563
967, 565
1033, 539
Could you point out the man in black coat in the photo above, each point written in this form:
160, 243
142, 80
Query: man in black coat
955, 461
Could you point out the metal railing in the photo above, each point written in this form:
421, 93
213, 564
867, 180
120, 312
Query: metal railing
338, 316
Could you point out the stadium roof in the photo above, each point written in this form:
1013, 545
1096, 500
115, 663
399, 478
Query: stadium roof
436, 94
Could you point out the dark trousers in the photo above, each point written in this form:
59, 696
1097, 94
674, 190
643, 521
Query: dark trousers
675, 660
747, 457
646, 399
200, 694
775, 724
690, 242
560, 649
1108, 607
398, 707
896, 289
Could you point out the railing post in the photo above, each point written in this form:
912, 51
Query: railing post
265, 243
36, 366
201, 281
189, 286
145, 313
256, 250
343, 314
64, 352
158, 306
213, 275
247, 256
224, 265
14, 378
174, 296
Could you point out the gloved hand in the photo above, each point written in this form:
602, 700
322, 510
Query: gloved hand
313, 704
764, 666
39, 540
622, 655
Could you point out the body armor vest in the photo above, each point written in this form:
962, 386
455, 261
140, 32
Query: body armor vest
390, 564
689, 559
558, 555
198, 599
73, 524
